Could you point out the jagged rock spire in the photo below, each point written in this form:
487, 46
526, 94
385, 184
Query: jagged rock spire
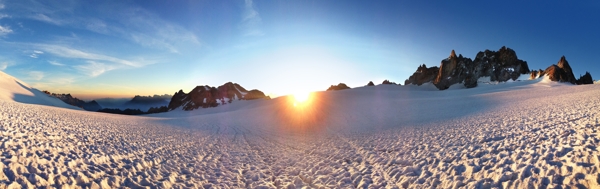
452, 54
562, 62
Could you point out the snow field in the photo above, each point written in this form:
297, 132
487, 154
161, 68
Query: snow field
513, 135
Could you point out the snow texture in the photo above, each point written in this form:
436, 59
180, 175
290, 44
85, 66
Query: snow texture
512, 135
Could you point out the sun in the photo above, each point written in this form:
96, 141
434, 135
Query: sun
301, 98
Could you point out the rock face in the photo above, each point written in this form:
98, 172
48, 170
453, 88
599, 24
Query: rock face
370, 83
561, 72
500, 65
536, 74
67, 98
338, 87
206, 96
452, 70
585, 79
423, 75
387, 82
567, 72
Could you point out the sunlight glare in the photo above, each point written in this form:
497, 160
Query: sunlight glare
300, 98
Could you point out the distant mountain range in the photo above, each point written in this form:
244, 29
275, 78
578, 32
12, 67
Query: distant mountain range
143, 103
207, 96
67, 98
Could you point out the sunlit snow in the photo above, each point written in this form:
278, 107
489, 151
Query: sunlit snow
506, 135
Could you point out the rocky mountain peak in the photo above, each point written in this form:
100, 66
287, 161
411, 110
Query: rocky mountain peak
338, 87
585, 79
500, 65
561, 71
563, 63
207, 96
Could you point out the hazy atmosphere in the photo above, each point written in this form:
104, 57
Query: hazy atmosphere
95, 49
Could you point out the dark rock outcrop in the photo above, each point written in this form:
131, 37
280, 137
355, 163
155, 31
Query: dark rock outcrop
255, 94
161, 109
132, 111
370, 83
123, 112
554, 73
585, 79
567, 71
423, 75
500, 65
560, 72
340, 86
387, 82
452, 70
67, 98
206, 96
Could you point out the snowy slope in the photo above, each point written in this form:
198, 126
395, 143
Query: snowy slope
13, 89
506, 135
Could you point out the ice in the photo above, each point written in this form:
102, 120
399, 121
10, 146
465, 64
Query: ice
510, 135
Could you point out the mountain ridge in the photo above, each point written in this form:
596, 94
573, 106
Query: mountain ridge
501, 65
67, 98
207, 96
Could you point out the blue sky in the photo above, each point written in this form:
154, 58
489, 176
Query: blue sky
125, 48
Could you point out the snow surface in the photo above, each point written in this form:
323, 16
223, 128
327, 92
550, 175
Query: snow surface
524, 134
13, 89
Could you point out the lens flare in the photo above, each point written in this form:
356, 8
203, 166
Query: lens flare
301, 98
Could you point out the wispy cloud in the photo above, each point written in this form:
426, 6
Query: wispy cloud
5, 30
52, 62
3, 65
122, 20
97, 25
67, 52
36, 54
149, 30
35, 75
45, 18
94, 69
251, 20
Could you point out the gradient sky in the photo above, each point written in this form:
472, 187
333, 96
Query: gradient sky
124, 48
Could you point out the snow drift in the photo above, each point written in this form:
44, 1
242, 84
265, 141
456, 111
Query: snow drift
13, 89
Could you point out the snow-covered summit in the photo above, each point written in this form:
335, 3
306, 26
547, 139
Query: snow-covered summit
15, 90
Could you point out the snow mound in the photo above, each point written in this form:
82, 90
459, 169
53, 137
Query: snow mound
15, 90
